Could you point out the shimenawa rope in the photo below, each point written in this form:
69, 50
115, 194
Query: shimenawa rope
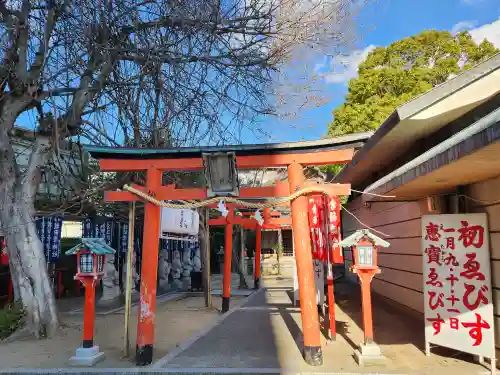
272, 202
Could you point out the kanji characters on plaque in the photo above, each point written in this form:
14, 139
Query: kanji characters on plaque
457, 283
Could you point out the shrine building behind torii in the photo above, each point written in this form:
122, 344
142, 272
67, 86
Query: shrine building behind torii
220, 166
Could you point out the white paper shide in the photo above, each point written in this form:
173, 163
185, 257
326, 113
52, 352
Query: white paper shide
457, 283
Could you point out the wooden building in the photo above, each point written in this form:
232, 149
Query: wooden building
439, 153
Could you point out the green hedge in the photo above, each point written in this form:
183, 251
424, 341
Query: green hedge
11, 318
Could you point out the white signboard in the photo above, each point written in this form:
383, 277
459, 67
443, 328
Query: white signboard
295, 285
180, 221
457, 283
319, 281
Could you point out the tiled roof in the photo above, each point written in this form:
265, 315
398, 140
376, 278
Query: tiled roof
95, 245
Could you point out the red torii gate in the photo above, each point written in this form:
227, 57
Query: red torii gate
248, 223
293, 156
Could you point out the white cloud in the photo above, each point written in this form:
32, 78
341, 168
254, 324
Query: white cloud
344, 67
341, 68
471, 2
490, 31
462, 25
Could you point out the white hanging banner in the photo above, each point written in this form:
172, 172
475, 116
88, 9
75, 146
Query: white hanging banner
295, 285
179, 221
457, 283
319, 281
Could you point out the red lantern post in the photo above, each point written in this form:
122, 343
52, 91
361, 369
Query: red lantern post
90, 255
364, 245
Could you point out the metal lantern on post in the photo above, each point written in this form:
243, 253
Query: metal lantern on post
364, 246
90, 265
91, 256
365, 255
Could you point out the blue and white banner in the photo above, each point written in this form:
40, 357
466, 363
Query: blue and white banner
123, 231
138, 232
99, 228
49, 232
123, 236
87, 228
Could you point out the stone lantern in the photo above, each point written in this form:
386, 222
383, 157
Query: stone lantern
90, 257
364, 246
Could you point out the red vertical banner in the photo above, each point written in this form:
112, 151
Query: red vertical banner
334, 234
321, 237
313, 223
317, 224
315, 220
318, 220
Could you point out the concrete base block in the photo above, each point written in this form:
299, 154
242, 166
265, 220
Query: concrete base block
369, 354
86, 356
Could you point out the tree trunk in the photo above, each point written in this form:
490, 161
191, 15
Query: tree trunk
27, 264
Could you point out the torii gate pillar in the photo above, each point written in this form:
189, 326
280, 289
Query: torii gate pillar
305, 273
228, 257
257, 256
149, 273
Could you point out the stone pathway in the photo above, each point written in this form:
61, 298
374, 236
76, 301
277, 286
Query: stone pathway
264, 336
260, 334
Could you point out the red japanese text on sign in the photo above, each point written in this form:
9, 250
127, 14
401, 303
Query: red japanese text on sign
316, 225
334, 230
324, 220
457, 283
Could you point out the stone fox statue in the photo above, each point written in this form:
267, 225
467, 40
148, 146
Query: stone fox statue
164, 268
110, 281
177, 269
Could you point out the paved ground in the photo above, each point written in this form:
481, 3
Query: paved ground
265, 335
261, 334
178, 317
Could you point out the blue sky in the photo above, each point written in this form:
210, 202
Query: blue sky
387, 21
378, 24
